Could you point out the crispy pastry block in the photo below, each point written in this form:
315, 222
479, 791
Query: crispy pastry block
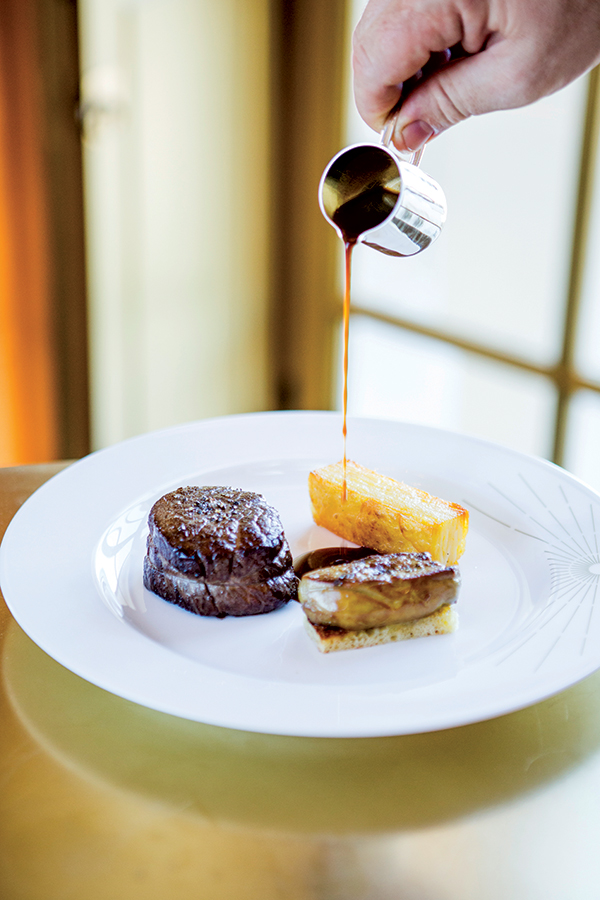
385, 514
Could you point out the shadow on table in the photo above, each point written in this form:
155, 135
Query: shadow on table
298, 785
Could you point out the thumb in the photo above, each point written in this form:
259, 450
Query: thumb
489, 80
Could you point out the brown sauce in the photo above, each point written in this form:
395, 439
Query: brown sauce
357, 215
365, 211
349, 247
329, 556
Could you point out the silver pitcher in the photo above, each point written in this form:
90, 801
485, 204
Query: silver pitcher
374, 194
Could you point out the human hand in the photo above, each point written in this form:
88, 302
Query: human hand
514, 52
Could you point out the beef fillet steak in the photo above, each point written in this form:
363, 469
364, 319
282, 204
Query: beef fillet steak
218, 551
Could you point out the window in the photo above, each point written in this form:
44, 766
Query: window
494, 330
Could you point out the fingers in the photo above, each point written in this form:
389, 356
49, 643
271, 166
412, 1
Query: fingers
399, 42
450, 96
517, 51
490, 80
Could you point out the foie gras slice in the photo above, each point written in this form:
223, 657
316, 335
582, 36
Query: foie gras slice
379, 590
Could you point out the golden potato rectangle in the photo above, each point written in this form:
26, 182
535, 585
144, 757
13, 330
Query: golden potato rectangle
386, 515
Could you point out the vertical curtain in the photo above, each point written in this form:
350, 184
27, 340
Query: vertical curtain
28, 396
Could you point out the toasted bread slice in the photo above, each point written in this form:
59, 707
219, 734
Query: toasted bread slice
328, 638
387, 515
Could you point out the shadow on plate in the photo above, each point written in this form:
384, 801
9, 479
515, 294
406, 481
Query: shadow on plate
297, 785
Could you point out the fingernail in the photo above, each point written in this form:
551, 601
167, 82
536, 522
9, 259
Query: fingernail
415, 134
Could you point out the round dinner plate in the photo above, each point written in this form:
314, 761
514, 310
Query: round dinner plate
71, 574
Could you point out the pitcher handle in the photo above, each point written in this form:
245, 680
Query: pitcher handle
414, 158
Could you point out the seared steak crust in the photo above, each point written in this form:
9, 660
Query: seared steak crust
218, 551
231, 598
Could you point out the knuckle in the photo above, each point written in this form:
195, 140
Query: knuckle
452, 108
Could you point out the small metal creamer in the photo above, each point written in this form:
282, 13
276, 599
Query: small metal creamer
373, 194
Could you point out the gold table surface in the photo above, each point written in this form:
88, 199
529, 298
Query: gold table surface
102, 799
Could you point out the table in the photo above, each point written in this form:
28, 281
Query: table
102, 799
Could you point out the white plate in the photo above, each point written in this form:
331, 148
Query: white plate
71, 564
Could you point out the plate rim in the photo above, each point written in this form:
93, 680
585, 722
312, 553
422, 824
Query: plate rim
104, 457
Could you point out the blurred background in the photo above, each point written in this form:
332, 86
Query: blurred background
163, 257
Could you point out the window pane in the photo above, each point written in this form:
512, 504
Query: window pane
582, 455
588, 338
394, 374
498, 274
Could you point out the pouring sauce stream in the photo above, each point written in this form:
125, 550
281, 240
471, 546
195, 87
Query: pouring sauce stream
348, 247
357, 215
